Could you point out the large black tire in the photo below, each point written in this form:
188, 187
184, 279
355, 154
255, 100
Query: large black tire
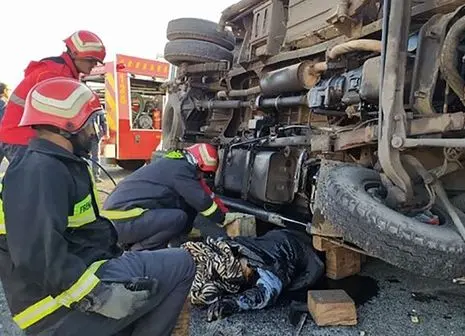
198, 29
172, 125
428, 250
192, 51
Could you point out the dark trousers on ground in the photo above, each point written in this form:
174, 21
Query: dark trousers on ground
154, 229
173, 268
12, 152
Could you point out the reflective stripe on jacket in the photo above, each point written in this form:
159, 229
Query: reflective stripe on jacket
35, 72
54, 237
166, 183
83, 214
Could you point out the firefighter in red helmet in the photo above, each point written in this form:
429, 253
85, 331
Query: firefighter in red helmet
61, 268
158, 203
84, 50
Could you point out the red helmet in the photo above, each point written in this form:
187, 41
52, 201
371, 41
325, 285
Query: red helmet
205, 155
86, 44
61, 102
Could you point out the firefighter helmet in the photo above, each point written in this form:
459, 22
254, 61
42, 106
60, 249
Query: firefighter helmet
85, 44
61, 102
205, 155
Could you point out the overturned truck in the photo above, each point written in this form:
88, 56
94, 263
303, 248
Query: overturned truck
342, 112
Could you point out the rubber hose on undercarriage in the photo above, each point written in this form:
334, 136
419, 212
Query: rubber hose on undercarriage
448, 61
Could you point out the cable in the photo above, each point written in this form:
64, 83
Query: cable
107, 173
104, 191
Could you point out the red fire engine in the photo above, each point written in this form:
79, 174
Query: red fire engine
130, 89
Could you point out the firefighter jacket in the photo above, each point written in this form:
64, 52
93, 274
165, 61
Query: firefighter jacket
165, 183
53, 238
36, 72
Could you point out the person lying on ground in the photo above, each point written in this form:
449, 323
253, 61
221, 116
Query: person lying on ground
245, 273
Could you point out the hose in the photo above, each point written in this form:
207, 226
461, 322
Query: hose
344, 48
451, 209
428, 179
448, 61
104, 170
239, 93
104, 191
355, 45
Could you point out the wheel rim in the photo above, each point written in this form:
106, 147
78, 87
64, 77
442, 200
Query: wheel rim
377, 191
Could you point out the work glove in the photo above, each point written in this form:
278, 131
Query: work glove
115, 301
222, 308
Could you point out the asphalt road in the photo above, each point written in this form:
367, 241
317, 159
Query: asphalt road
396, 303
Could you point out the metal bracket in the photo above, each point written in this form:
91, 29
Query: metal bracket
343, 22
393, 117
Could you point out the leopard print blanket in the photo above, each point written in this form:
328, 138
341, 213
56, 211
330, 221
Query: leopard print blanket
217, 271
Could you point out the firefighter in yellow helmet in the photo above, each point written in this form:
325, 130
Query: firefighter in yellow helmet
60, 266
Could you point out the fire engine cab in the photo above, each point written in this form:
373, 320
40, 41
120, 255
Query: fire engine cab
130, 89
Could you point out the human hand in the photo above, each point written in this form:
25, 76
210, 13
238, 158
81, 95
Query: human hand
222, 308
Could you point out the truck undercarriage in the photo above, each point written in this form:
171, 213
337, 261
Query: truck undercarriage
346, 112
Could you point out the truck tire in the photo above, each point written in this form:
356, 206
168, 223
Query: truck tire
192, 51
435, 251
202, 30
172, 124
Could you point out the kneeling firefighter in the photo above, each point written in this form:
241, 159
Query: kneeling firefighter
60, 266
160, 201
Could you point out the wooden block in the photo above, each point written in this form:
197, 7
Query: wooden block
234, 229
182, 327
341, 263
363, 258
321, 244
244, 226
331, 308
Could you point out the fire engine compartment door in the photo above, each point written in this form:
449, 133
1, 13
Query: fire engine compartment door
139, 131
146, 105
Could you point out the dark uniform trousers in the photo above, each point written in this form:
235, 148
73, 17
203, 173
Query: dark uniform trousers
152, 230
173, 268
